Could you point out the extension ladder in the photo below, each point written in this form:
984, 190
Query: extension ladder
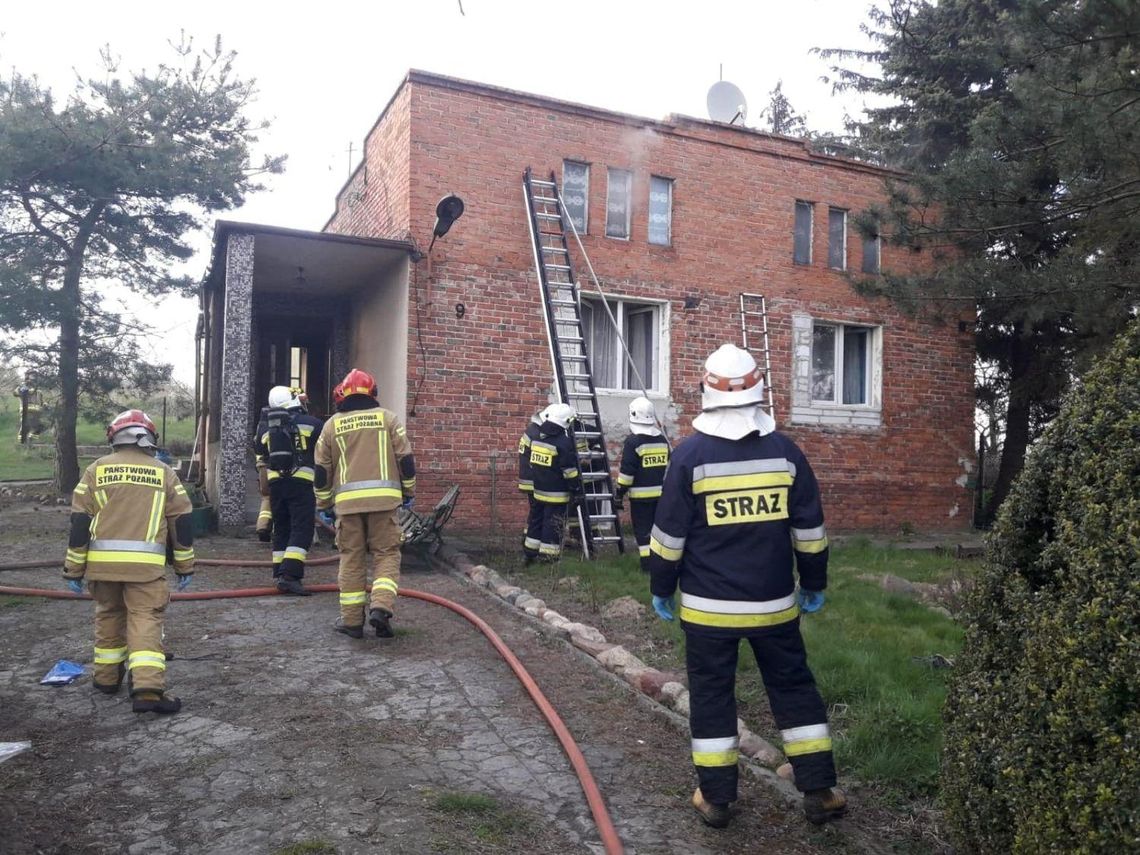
754, 319
597, 517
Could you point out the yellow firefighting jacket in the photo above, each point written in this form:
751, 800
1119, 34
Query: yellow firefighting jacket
364, 461
128, 513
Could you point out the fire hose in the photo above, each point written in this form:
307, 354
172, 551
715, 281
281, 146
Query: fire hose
610, 840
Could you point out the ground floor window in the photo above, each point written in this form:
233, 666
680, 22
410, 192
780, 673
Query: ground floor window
837, 372
642, 327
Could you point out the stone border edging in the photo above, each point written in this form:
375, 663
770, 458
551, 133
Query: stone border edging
662, 687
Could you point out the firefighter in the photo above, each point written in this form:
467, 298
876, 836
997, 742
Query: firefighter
739, 509
643, 460
130, 515
557, 484
526, 479
286, 439
365, 470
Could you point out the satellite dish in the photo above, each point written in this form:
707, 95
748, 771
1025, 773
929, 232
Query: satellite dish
726, 103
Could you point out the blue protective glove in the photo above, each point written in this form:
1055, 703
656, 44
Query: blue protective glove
184, 580
664, 607
408, 503
328, 518
810, 601
75, 586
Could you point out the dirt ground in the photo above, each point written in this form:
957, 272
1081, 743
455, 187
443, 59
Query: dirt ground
294, 739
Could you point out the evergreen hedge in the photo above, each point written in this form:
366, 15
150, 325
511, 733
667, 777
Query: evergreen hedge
1042, 739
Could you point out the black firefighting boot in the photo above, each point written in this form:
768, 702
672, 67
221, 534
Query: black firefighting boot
379, 618
292, 587
715, 815
351, 630
264, 535
111, 688
156, 702
823, 805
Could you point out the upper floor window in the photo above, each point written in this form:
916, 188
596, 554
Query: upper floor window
576, 193
660, 210
801, 251
642, 327
619, 191
872, 247
837, 239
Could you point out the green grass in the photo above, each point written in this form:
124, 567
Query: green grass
479, 816
307, 847
885, 706
19, 463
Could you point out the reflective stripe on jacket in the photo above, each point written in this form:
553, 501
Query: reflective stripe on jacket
129, 502
643, 462
735, 518
554, 466
526, 474
366, 460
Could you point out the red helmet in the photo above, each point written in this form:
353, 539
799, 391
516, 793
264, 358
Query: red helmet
357, 382
132, 427
338, 394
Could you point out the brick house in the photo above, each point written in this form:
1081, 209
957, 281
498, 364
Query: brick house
678, 216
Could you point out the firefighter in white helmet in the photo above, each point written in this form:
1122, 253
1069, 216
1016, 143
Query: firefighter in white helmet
739, 513
526, 477
557, 483
130, 516
644, 458
286, 443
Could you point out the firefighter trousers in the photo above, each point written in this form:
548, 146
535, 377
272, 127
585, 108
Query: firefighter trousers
294, 515
545, 525
641, 513
792, 694
377, 533
264, 510
128, 632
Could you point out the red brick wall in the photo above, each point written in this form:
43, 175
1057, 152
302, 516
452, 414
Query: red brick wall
733, 204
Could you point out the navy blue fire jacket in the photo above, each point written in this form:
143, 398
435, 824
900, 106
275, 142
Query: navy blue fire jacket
735, 517
554, 466
643, 462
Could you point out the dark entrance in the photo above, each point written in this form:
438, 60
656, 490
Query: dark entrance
292, 352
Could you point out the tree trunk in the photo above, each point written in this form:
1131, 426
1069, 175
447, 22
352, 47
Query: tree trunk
1016, 421
70, 314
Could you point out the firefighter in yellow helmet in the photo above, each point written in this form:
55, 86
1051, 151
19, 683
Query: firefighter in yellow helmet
130, 515
365, 471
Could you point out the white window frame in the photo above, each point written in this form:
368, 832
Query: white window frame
649, 212
804, 409
843, 264
811, 232
586, 192
657, 385
628, 173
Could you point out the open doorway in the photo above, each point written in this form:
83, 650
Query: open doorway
290, 354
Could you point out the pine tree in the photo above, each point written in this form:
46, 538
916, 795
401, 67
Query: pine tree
781, 117
109, 187
1019, 121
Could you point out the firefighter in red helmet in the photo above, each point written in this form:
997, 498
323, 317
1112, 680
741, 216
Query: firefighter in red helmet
130, 516
365, 471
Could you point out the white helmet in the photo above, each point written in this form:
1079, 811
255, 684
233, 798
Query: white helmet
641, 412
539, 417
561, 415
283, 397
731, 379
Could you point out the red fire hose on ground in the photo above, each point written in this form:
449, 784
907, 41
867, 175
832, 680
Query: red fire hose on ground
606, 830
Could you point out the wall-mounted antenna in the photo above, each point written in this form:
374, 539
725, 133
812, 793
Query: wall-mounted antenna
726, 103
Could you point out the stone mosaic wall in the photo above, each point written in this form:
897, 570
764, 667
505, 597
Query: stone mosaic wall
237, 358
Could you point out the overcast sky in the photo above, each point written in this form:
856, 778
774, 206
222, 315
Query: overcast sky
325, 70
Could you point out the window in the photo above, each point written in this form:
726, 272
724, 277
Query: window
660, 210
576, 193
840, 364
801, 252
641, 325
871, 249
619, 190
298, 367
837, 239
